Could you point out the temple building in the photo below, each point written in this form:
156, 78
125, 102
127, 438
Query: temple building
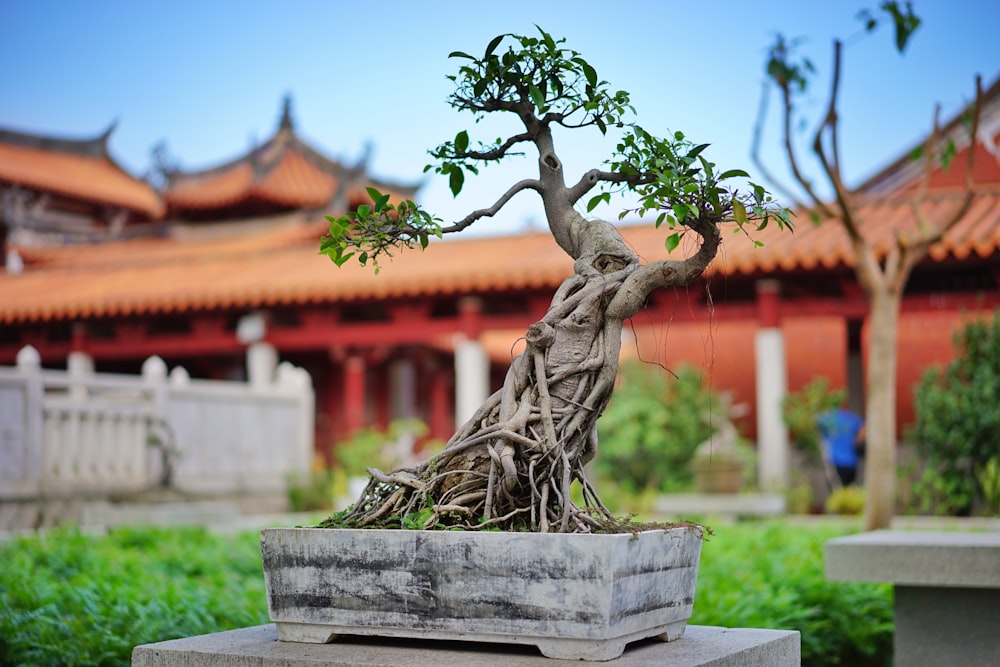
233, 273
55, 191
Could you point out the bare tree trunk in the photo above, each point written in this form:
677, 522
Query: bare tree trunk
880, 409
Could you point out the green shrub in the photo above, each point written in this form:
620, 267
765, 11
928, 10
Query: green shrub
988, 476
67, 598
957, 425
846, 500
651, 427
770, 575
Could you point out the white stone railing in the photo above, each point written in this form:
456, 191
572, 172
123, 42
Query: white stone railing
79, 433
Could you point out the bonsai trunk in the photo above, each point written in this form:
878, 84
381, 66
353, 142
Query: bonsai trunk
514, 463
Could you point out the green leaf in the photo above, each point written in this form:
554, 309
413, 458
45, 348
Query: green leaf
340, 259
739, 212
461, 141
537, 97
905, 22
460, 54
597, 199
456, 180
733, 173
681, 211
672, 241
493, 45
479, 87
948, 154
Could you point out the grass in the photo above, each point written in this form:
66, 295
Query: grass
68, 598
770, 575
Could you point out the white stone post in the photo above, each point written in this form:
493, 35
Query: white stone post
80, 367
771, 385
154, 376
472, 378
262, 362
29, 365
262, 357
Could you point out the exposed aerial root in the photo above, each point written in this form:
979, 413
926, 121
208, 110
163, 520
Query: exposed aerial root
517, 462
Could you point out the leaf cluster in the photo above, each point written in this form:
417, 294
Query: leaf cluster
674, 179
376, 230
535, 77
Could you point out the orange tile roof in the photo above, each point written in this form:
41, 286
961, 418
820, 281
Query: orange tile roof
281, 266
294, 181
211, 190
285, 171
92, 178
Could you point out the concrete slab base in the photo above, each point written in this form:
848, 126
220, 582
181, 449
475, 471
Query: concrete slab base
946, 591
701, 646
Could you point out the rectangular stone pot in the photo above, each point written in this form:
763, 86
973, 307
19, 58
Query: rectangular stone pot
573, 596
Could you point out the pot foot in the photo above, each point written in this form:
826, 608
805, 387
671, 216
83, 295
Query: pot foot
672, 632
581, 649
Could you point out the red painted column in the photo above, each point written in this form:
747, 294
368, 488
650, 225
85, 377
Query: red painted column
769, 304
354, 394
441, 423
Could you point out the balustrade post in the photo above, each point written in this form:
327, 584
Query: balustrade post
29, 364
154, 376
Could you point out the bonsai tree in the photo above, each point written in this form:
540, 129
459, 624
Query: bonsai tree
513, 464
881, 272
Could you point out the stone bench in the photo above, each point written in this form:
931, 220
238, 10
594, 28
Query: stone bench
700, 646
946, 589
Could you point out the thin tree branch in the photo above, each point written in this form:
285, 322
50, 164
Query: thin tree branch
520, 186
758, 133
787, 112
830, 168
917, 250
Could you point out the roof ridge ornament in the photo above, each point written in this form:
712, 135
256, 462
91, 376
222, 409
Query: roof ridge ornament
286, 114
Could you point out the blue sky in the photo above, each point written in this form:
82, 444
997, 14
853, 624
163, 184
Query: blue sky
208, 77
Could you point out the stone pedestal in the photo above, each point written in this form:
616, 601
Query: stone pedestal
701, 646
946, 591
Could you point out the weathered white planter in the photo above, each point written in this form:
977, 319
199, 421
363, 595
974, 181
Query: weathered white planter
574, 596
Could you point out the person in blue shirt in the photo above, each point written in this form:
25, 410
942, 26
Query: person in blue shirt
841, 432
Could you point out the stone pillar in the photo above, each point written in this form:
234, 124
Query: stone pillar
472, 364
262, 357
355, 413
402, 389
262, 361
472, 378
772, 385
